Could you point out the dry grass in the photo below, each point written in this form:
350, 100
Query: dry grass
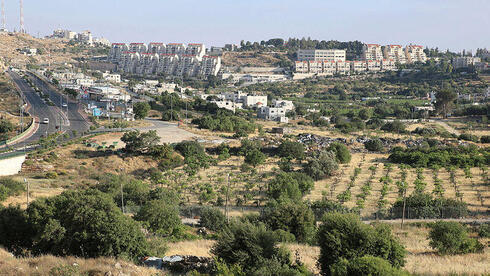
196, 248
49, 265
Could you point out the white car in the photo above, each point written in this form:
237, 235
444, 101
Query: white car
64, 105
46, 121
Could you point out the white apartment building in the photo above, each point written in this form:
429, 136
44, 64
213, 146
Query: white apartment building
388, 65
396, 53
117, 50
138, 48
210, 65
254, 100
358, 66
111, 77
373, 65
463, 62
85, 37
372, 52
320, 55
106, 93
415, 53
315, 67
329, 67
343, 67
301, 67
157, 48
195, 49
273, 114
229, 105
286, 105
176, 48
64, 34
87, 82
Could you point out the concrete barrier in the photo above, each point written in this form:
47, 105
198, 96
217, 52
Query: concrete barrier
11, 165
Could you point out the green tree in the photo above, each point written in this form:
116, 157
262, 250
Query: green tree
445, 101
291, 150
86, 224
321, 165
212, 218
248, 246
141, 110
292, 216
449, 237
160, 217
292, 185
344, 236
137, 142
365, 265
255, 157
341, 151
374, 145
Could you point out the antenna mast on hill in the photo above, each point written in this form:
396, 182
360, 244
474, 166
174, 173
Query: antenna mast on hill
22, 29
3, 14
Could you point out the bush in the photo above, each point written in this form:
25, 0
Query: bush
86, 224
137, 142
341, 152
321, 165
374, 145
160, 218
141, 110
291, 150
10, 187
292, 185
249, 246
395, 126
321, 207
424, 206
51, 175
485, 139
291, 216
469, 137
484, 230
449, 237
344, 236
212, 218
255, 157
366, 265
135, 191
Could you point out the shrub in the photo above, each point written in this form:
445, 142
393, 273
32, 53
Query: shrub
141, 110
423, 205
160, 217
255, 157
10, 187
291, 216
291, 150
366, 265
485, 139
212, 218
395, 126
484, 230
341, 152
51, 175
469, 137
344, 236
374, 145
293, 185
137, 142
321, 165
86, 224
248, 246
449, 237
321, 207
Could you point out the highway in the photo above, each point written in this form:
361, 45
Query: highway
75, 120
71, 120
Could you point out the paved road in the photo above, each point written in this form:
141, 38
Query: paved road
38, 109
76, 120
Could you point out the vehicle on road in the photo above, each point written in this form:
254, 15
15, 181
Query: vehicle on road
46, 121
64, 105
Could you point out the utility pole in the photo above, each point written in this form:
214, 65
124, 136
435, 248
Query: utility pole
404, 203
227, 198
3, 15
122, 194
22, 29
27, 187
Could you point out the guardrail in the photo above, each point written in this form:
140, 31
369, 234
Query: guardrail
19, 136
10, 155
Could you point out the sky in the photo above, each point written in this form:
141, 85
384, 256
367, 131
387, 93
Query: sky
453, 24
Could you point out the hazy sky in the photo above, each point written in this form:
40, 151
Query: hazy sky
454, 24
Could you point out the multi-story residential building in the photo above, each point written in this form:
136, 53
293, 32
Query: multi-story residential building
64, 34
210, 65
195, 49
112, 77
286, 105
415, 53
320, 55
396, 53
168, 64
388, 65
85, 37
117, 50
358, 66
129, 62
329, 67
273, 114
343, 67
373, 65
148, 64
301, 67
463, 62
315, 67
138, 48
226, 104
157, 48
176, 48
372, 52
254, 100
